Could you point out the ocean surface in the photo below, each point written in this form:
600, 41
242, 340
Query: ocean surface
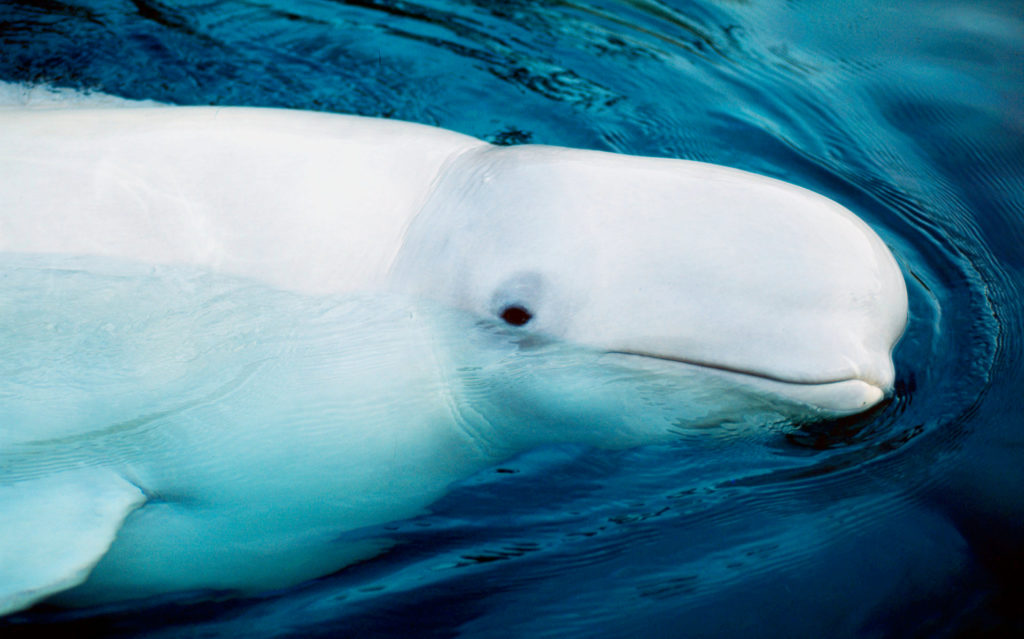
907, 522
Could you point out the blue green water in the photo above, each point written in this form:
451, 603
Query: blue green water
905, 522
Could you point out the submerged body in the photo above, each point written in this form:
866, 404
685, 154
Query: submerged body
231, 335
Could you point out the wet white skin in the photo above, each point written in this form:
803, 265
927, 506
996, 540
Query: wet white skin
314, 323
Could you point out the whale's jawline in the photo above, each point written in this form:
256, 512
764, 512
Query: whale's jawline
826, 397
732, 369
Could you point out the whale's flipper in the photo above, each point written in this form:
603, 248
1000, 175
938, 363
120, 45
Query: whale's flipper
56, 528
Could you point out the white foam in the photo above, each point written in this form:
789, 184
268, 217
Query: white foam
41, 96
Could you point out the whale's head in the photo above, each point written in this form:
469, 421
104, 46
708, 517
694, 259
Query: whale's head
666, 265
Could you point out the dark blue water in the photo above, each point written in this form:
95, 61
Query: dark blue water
905, 522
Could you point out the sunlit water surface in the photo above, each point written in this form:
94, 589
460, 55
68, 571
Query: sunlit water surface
905, 522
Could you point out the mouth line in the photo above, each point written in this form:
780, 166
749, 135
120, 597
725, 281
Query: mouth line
735, 370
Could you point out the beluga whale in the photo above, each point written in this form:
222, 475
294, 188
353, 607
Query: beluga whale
230, 335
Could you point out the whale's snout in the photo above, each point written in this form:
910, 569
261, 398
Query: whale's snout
781, 285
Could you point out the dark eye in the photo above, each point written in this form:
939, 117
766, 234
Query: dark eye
516, 315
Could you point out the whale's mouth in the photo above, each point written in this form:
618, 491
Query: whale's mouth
732, 369
831, 395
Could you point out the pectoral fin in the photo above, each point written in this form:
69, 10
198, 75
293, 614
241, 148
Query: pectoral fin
54, 529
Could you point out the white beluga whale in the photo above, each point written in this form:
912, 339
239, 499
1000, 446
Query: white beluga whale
229, 335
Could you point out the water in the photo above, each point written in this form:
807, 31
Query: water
905, 522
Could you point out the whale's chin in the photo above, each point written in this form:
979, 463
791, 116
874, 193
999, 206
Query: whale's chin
826, 397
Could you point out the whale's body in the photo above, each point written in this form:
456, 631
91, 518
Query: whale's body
230, 335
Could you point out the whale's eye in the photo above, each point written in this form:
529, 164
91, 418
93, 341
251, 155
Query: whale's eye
516, 315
